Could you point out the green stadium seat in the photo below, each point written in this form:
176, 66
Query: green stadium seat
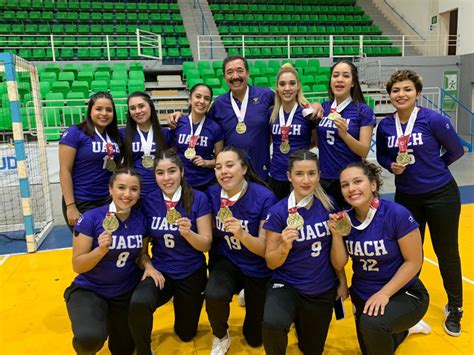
75, 110
213, 82
72, 68
136, 75
86, 76
136, 85
81, 87
118, 85
44, 89
262, 81
203, 65
66, 76
60, 87
99, 85
207, 73
120, 75
102, 75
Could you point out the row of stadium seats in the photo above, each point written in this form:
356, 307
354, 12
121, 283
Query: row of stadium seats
85, 29
287, 19
76, 41
286, 8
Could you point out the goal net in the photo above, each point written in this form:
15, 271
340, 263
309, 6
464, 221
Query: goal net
25, 200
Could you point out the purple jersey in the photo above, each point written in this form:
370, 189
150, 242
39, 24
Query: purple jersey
250, 209
334, 154
374, 251
428, 169
90, 178
256, 140
117, 272
211, 133
148, 175
299, 137
307, 267
171, 252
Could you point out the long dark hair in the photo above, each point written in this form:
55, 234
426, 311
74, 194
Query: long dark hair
88, 127
187, 194
356, 90
304, 154
131, 129
250, 175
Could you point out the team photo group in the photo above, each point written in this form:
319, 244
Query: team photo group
267, 195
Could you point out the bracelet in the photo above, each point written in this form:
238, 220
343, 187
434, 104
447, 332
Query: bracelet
69, 204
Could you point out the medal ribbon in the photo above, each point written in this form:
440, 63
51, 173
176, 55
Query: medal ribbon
293, 206
109, 146
227, 201
339, 108
307, 110
404, 137
374, 205
112, 209
285, 127
195, 135
148, 142
240, 113
171, 203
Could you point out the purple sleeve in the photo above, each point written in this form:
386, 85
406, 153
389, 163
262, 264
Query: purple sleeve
169, 136
71, 138
218, 133
403, 221
383, 156
85, 225
274, 221
202, 204
268, 202
212, 112
367, 116
445, 134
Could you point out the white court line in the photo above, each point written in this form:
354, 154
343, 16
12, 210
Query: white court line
436, 264
3, 258
39, 251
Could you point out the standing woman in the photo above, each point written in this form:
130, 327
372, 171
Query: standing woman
88, 154
345, 132
408, 145
240, 204
143, 138
303, 285
384, 243
291, 131
198, 139
179, 222
107, 241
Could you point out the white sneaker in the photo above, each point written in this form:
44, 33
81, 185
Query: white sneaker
220, 346
420, 328
241, 298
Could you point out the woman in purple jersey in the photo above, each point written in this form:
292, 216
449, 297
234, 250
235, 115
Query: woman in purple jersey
179, 223
198, 139
240, 203
408, 145
143, 137
384, 244
107, 241
291, 131
88, 153
345, 132
304, 286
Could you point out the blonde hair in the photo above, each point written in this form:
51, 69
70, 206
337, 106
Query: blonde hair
300, 99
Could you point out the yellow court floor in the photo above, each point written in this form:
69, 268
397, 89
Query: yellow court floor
33, 318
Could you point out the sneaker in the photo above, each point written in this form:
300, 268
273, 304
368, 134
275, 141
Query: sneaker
452, 324
241, 299
420, 328
220, 346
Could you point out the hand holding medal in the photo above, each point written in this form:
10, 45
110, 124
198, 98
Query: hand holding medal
342, 224
184, 226
295, 220
105, 241
110, 222
224, 212
232, 225
172, 214
288, 235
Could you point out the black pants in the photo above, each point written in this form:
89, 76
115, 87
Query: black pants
382, 335
441, 209
225, 280
93, 318
83, 206
311, 315
188, 300
281, 189
333, 189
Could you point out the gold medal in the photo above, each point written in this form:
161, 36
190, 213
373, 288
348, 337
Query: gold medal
295, 220
285, 147
403, 158
172, 216
224, 214
110, 164
190, 153
147, 161
110, 223
343, 225
241, 128
334, 115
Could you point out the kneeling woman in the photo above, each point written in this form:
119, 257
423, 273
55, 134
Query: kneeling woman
107, 241
304, 284
179, 221
385, 246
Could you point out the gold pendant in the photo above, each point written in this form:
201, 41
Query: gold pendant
110, 223
224, 214
285, 147
334, 115
403, 159
172, 216
190, 153
110, 165
241, 128
147, 161
343, 225
295, 220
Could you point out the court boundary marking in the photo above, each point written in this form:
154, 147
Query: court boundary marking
437, 265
